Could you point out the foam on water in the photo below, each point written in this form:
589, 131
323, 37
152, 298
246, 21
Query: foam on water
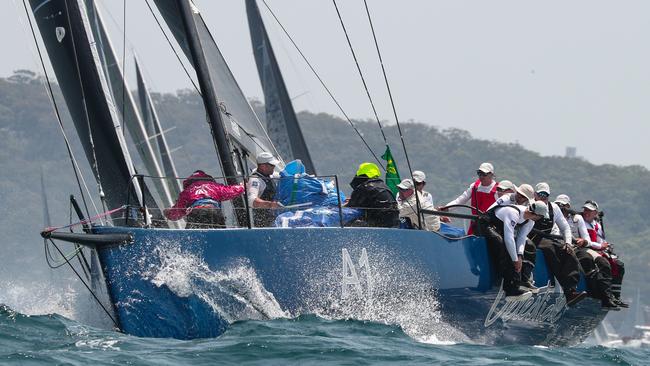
383, 288
39, 297
65, 297
186, 274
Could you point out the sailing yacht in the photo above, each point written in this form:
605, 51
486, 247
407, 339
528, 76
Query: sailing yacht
164, 281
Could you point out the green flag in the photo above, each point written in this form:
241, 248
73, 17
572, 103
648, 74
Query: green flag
392, 175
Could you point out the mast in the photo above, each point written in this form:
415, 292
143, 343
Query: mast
207, 91
242, 127
281, 122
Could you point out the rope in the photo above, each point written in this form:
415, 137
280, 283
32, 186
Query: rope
86, 221
75, 167
392, 102
323, 84
169, 42
356, 61
86, 285
49, 257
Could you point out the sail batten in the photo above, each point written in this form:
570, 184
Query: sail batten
281, 122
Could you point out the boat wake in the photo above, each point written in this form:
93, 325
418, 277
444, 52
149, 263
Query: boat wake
235, 293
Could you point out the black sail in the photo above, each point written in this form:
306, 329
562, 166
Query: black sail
281, 122
239, 120
125, 105
152, 124
65, 31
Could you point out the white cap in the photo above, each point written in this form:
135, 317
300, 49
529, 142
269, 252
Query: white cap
527, 191
506, 184
266, 158
591, 205
539, 207
563, 199
419, 176
486, 168
542, 187
405, 184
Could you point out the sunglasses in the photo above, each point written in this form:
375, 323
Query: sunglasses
481, 173
543, 194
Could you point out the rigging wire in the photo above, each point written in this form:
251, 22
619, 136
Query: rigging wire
85, 108
85, 285
392, 103
169, 42
222, 108
75, 166
363, 79
323, 83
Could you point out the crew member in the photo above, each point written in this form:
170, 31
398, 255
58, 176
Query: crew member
596, 268
523, 196
200, 201
558, 254
596, 235
506, 229
480, 195
420, 180
407, 206
372, 195
505, 187
261, 190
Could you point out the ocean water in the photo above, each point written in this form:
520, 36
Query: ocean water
54, 339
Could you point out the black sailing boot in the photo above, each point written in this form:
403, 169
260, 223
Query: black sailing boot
609, 304
573, 297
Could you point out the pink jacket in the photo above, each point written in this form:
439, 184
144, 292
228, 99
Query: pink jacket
198, 186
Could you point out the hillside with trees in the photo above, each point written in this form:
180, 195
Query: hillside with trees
32, 142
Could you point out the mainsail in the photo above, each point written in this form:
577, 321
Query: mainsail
66, 34
152, 125
242, 126
281, 122
124, 102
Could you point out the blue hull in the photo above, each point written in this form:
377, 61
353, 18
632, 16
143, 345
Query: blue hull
194, 283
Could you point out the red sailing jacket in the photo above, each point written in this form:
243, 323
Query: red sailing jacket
201, 186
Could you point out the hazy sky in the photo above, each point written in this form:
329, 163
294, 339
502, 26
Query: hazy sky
546, 74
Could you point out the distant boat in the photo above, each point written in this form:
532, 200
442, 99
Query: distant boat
194, 283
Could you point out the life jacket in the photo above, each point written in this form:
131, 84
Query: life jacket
593, 236
481, 200
593, 232
377, 201
264, 217
544, 225
490, 218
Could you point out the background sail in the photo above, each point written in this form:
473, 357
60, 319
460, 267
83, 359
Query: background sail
125, 105
152, 125
281, 122
241, 123
71, 48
